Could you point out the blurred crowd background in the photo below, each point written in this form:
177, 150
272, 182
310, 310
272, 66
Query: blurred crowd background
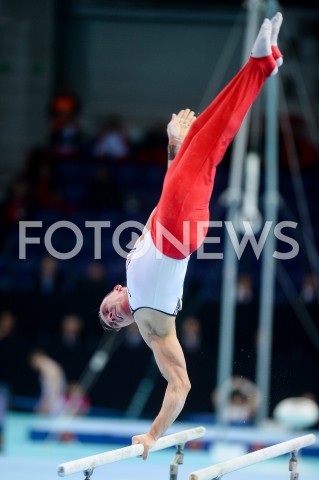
83, 139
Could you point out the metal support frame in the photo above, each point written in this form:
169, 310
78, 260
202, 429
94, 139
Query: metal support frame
177, 460
88, 473
293, 466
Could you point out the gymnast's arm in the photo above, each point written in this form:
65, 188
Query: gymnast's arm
171, 363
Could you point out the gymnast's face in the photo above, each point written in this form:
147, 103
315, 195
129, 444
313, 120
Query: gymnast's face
115, 311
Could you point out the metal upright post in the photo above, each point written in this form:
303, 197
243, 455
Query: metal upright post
177, 460
229, 276
266, 305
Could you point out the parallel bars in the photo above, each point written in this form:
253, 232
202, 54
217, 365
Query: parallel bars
220, 469
89, 463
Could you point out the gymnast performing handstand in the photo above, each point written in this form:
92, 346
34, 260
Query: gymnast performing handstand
157, 265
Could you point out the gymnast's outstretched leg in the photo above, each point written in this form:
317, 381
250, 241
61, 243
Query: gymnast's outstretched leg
189, 181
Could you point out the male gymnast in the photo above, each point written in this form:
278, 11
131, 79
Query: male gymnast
157, 265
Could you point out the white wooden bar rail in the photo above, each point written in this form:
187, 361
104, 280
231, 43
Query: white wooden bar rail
220, 469
87, 463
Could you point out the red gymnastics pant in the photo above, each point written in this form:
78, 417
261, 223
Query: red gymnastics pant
189, 181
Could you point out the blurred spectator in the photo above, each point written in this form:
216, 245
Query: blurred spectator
132, 204
37, 157
71, 330
9, 348
49, 279
104, 192
244, 398
198, 357
52, 383
309, 287
313, 397
45, 188
41, 174
112, 143
90, 288
18, 205
297, 413
7, 325
191, 335
95, 282
66, 135
245, 293
306, 149
153, 148
71, 348
76, 401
